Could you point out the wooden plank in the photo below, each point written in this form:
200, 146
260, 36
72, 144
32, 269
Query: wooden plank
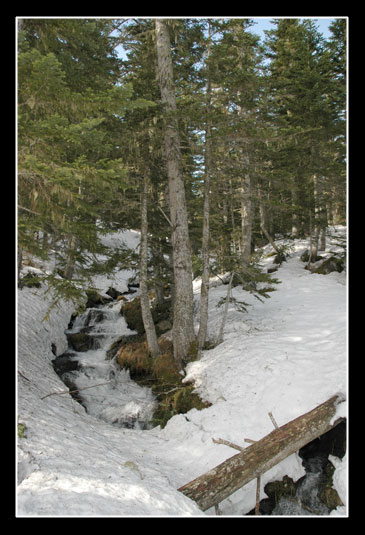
217, 484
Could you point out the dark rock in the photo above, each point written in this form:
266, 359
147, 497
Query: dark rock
80, 341
162, 327
278, 489
333, 263
64, 364
113, 293
95, 315
94, 299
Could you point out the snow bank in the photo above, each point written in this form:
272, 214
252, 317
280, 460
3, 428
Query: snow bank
285, 356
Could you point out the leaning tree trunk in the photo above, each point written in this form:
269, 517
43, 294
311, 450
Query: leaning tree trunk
148, 323
183, 327
225, 479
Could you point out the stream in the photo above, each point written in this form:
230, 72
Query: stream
107, 392
103, 389
313, 494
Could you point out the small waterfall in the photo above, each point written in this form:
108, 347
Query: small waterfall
105, 390
306, 500
311, 495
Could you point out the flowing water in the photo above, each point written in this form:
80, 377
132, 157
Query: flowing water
105, 390
306, 501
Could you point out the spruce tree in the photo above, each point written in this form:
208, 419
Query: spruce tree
70, 168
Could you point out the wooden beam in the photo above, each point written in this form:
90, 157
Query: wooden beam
216, 485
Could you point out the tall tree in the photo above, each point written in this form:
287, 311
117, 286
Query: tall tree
143, 271
183, 327
204, 291
69, 120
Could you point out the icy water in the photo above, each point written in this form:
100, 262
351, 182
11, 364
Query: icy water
105, 390
306, 501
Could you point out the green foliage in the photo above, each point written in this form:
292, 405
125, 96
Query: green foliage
22, 428
71, 170
90, 128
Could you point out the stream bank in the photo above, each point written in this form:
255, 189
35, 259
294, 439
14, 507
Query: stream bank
109, 371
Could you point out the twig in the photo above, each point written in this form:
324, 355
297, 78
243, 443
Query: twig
22, 375
257, 506
273, 420
227, 443
165, 216
73, 391
27, 210
250, 441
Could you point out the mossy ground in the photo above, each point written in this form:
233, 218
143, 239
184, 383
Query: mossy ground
162, 376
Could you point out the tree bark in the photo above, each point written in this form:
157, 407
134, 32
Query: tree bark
70, 262
183, 327
225, 313
204, 291
235, 472
246, 220
148, 323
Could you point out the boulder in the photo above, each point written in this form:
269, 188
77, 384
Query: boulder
64, 363
80, 341
94, 298
113, 293
332, 263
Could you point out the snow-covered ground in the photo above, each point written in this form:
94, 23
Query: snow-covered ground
284, 356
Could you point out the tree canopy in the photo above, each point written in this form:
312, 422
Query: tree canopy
260, 124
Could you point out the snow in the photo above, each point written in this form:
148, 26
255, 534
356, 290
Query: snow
284, 356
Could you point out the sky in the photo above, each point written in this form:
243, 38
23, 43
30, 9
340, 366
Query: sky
263, 23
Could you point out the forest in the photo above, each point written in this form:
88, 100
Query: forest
181, 266
207, 140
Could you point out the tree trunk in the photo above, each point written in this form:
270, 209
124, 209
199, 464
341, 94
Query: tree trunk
235, 472
315, 236
204, 291
225, 313
70, 262
183, 327
246, 220
263, 221
148, 323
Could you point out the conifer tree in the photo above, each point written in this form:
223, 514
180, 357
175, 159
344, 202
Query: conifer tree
70, 169
183, 328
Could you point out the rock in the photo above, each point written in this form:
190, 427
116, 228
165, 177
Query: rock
132, 313
333, 263
94, 298
95, 315
305, 257
161, 312
64, 364
162, 327
80, 341
278, 489
330, 498
113, 293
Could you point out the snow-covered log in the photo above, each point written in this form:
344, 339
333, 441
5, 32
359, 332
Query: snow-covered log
214, 486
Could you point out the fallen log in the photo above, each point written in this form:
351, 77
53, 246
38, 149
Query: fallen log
216, 485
